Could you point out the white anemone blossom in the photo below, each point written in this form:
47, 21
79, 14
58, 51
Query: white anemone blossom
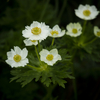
29, 42
86, 12
56, 32
36, 31
50, 57
74, 29
17, 57
96, 31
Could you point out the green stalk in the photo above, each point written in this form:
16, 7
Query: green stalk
82, 35
84, 26
39, 45
90, 41
37, 54
52, 41
49, 92
32, 67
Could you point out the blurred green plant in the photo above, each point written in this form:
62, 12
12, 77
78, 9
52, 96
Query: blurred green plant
87, 57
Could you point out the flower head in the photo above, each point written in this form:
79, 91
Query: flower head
74, 29
56, 32
86, 12
96, 31
49, 57
36, 31
17, 57
29, 42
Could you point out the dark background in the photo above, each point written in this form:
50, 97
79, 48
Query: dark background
14, 16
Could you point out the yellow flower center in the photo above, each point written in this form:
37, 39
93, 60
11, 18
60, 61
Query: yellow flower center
98, 33
74, 30
86, 13
36, 30
49, 57
17, 58
54, 32
33, 40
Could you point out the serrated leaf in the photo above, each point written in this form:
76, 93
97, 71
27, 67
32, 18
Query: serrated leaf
29, 79
47, 82
71, 77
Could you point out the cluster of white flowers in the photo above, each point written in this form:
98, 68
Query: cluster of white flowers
37, 32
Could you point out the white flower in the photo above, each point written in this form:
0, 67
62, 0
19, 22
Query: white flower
96, 31
17, 57
36, 31
86, 12
49, 57
56, 32
29, 42
74, 29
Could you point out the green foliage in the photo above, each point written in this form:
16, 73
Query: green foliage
85, 51
8, 40
89, 47
24, 13
46, 74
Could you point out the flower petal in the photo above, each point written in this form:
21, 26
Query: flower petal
24, 53
17, 50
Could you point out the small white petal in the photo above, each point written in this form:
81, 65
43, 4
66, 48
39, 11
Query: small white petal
44, 52
54, 52
17, 50
24, 62
10, 55
24, 53
28, 42
10, 62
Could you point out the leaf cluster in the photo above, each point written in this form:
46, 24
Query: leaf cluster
44, 73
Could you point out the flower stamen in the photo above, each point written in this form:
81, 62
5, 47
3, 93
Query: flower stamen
17, 58
54, 32
49, 57
98, 33
74, 30
36, 30
33, 40
86, 13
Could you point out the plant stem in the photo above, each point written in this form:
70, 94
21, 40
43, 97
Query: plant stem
39, 45
37, 54
90, 41
52, 41
32, 67
84, 26
49, 92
